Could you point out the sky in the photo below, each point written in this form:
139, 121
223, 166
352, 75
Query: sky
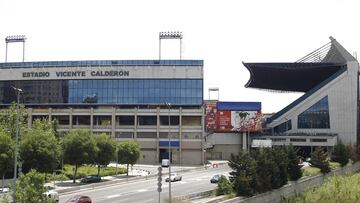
222, 33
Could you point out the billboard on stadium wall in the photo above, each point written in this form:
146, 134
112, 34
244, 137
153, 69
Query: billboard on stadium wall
239, 121
210, 116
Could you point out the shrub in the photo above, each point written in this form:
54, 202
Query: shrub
340, 154
224, 187
293, 168
319, 159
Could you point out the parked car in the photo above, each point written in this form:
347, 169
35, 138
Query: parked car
91, 179
79, 199
174, 177
4, 190
215, 178
165, 163
51, 193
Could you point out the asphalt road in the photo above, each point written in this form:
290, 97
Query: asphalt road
145, 191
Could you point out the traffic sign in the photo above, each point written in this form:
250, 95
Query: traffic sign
159, 189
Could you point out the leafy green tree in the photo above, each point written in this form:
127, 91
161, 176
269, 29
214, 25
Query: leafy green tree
39, 149
243, 174
79, 148
128, 153
341, 154
8, 120
106, 152
293, 167
319, 159
7, 149
30, 188
224, 187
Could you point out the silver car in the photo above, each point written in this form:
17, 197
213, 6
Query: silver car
174, 177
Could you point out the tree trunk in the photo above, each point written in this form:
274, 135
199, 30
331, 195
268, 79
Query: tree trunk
127, 169
98, 169
74, 178
3, 177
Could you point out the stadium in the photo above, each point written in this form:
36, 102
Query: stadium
142, 100
327, 112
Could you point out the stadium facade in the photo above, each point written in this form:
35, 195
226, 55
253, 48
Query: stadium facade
141, 100
327, 112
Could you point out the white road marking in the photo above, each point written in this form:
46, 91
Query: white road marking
142, 190
112, 196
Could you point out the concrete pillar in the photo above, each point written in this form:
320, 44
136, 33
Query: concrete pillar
203, 134
91, 119
113, 122
49, 113
70, 118
29, 118
244, 141
135, 123
180, 136
157, 133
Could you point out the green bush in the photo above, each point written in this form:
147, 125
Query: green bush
341, 154
224, 187
319, 159
84, 171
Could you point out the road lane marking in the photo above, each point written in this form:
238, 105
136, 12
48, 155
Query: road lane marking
112, 196
142, 190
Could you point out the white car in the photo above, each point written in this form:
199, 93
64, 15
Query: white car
174, 177
52, 194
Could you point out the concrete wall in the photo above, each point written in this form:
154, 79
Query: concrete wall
295, 187
148, 156
191, 157
226, 150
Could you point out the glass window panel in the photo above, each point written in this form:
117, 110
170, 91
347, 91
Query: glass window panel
317, 116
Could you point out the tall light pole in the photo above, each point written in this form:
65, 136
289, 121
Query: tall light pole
12, 39
169, 106
170, 35
18, 92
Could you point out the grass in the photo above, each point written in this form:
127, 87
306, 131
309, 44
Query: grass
91, 170
311, 171
337, 189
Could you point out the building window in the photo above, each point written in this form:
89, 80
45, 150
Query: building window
283, 127
126, 120
147, 120
174, 120
317, 116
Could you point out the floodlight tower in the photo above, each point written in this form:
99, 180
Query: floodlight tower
13, 39
170, 35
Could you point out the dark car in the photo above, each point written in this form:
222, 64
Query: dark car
215, 178
79, 199
91, 179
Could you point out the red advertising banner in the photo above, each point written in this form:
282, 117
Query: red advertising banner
239, 121
210, 116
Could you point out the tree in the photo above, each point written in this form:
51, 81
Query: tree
224, 186
39, 148
267, 171
79, 148
8, 120
319, 159
30, 188
341, 154
128, 153
107, 148
7, 149
293, 167
281, 159
243, 175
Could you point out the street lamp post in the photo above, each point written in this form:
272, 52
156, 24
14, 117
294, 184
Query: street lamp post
169, 106
18, 91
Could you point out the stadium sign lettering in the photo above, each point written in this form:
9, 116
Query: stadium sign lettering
110, 73
35, 74
60, 74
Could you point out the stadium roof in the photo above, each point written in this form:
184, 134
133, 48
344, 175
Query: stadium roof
297, 77
302, 75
